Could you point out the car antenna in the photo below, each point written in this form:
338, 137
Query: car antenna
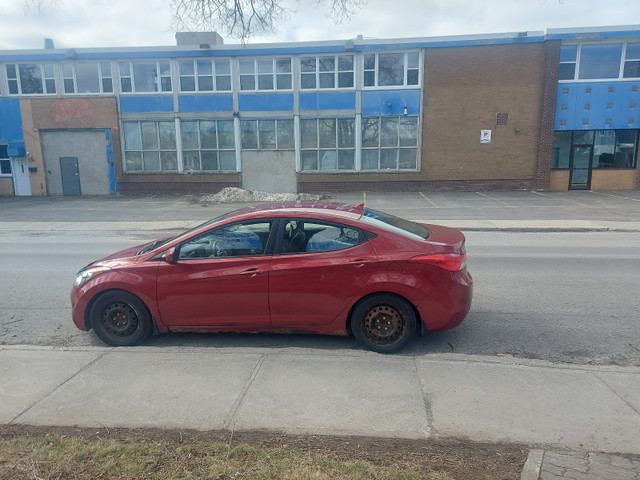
362, 206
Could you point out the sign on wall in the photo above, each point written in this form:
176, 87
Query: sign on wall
485, 136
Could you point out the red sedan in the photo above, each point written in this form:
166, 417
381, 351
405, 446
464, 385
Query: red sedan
301, 266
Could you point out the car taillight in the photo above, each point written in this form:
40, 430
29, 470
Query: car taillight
449, 261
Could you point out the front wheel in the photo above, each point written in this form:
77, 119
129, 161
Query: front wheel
384, 323
120, 319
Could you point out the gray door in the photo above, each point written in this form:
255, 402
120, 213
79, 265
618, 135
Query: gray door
580, 167
70, 175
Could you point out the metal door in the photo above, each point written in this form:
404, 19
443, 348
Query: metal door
70, 175
580, 167
21, 181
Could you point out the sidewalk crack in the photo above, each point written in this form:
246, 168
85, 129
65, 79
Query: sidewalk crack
82, 369
230, 420
595, 374
425, 399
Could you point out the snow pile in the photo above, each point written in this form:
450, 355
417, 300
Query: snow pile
239, 195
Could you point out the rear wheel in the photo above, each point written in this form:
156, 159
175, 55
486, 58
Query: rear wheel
384, 323
120, 319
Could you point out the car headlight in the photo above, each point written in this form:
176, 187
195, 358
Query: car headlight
85, 275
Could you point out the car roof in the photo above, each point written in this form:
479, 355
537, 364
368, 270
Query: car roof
301, 207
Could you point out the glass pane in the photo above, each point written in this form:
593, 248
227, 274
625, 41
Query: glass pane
370, 129
633, 51
600, 60
265, 82
326, 64
310, 160
205, 84
149, 135
107, 85
145, 74
69, 86
346, 159
390, 69
413, 60
267, 134
50, 85
583, 137
308, 80
186, 67
309, 133
369, 79
167, 135
388, 159
345, 63
205, 67
631, 69
169, 160
165, 68
561, 153
328, 159
188, 84
408, 158
105, 68
283, 81
345, 79
11, 70
125, 69
581, 157
191, 161
166, 84
133, 161
223, 83
132, 136
327, 130
247, 82
30, 78
151, 161
285, 134
369, 61
228, 161
370, 159
190, 136
408, 131
568, 53
209, 160
208, 136
248, 133
604, 148
67, 70
13, 86
625, 154
346, 132
125, 84
566, 71
226, 138
327, 80
265, 65
223, 67
412, 77
308, 64
389, 136
283, 65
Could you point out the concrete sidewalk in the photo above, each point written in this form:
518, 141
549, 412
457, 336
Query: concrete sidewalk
496, 399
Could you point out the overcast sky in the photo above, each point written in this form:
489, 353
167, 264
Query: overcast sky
127, 23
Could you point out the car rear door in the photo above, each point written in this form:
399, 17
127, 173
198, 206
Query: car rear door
219, 278
318, 269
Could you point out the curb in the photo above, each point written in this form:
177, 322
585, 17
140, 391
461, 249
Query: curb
533, 465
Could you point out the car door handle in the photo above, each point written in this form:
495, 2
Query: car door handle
357, 263
252, 271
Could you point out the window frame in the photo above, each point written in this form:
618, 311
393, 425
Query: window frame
319, 147
131, 76
256, 74
258, 137
200, 149
318, 73
215, 76
160, 150
380, 147
579, 58
406, 69
46, 79
101, 77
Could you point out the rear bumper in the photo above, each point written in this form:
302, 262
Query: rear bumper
448, 303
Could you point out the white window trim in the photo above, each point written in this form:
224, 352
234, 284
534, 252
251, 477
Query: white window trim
159, 77
404, 86
256, 74
336, 72
620, 77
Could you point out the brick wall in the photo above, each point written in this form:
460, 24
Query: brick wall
415, 186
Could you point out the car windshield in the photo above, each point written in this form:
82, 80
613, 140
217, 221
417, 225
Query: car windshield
393, 223
158, 243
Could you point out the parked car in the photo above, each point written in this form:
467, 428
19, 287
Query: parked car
318, 267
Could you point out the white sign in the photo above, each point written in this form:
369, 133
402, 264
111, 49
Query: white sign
485, 136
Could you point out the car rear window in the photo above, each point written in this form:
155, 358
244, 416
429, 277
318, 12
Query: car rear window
397, 224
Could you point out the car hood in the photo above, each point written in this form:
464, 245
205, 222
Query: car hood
446, 239
127, 256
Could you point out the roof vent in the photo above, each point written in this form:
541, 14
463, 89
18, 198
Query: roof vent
48, 44
198, 39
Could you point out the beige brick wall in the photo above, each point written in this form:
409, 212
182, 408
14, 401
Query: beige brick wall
6, 187
465, 87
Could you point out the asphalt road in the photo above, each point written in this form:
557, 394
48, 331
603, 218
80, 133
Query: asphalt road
566, 297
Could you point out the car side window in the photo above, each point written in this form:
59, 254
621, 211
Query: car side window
301, 236
235, 240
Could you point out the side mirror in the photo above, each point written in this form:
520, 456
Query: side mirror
170, 255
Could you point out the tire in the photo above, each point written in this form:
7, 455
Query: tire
120, 319
383, 323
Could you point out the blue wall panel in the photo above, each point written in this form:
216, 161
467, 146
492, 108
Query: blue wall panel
267, 102
390, 102
11, 122
328, 101
205, 103
597, 105
146, 104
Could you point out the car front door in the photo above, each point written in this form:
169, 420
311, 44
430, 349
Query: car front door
218, 278
318, 270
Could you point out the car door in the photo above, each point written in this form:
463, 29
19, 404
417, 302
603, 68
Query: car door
219, 278
319, 268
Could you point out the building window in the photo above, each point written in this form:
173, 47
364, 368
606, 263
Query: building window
390, 143
208, 145
5, 161
275, 134
610, 148
205, 75
391, 69
30, 78
145, 76
87, 77
266, 73
327, 144
150, 146
568, 56
632, 60
327, 71
600, 61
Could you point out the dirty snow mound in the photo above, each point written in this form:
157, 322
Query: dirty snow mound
239, 195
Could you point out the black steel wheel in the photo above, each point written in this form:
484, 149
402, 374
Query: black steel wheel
120, 319
383, 322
